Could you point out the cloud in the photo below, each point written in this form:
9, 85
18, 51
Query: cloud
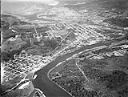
48, 2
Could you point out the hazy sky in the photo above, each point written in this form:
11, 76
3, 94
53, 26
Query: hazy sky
49, 2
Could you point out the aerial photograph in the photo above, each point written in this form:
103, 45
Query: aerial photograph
64, 48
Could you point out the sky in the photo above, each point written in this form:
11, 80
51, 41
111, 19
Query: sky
48, 2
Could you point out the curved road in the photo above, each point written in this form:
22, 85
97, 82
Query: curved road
42, 81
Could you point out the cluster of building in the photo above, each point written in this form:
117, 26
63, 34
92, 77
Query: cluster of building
82, 34
23, 64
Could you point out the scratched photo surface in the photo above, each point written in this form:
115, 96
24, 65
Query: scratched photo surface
64, 48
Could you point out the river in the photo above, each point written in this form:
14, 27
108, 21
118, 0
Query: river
49, 88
